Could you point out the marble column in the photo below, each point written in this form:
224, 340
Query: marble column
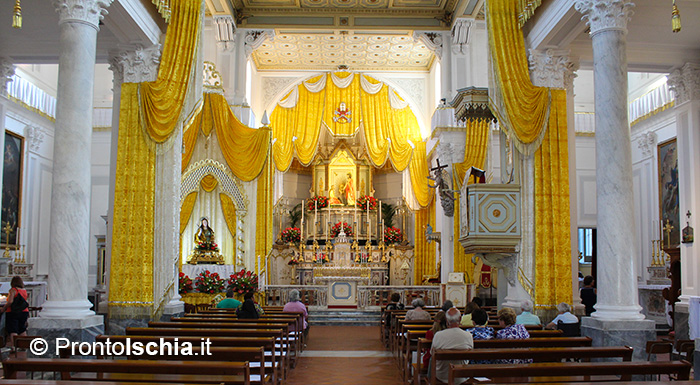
7, 70
617, 318
685, 85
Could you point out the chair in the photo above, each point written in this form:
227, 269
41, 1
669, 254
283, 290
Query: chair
570, 330
685, 349
658, 347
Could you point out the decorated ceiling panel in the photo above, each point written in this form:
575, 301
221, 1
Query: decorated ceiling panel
358, 51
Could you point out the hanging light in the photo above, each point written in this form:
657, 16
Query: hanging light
675, 18
17, 15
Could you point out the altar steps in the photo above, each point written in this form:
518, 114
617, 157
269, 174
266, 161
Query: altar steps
344, 317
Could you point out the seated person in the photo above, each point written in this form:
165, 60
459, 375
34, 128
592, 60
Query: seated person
452, 338
478, 301
564, 316
296, 306
480, 331
588, 294
467, 317
511, 331
439, 324
229, 302
447, 305
395, 304
417, 313
247, 309
526, 317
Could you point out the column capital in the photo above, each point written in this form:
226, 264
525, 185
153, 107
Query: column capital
225, 28
685, 83
552, 68
254, 39
605, 15
88, 12
461, 35
139, 65
432, 40
7, 70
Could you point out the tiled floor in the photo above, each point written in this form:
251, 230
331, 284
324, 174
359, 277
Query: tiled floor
345, 355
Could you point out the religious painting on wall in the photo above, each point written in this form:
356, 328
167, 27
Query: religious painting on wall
364, 181
320, 186
11, 185
342, 180
668, 190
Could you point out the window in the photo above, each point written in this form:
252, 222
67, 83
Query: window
586, 244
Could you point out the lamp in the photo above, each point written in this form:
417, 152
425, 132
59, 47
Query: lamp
17, 15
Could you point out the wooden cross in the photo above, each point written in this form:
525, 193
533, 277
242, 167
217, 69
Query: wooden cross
667, 230
438, 167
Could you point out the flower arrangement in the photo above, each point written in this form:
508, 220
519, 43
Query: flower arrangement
185, 284
335, 230
325, 259
392, 235
294, 261
207, 282
362, 202
291, 235
318, 202
243, 282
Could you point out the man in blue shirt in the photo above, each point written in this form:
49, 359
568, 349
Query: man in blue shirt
526, 317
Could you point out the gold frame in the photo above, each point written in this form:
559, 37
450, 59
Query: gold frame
661, 149
20, 185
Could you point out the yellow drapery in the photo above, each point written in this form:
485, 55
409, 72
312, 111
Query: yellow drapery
553, 237
424, 252
263, 215
154, 108
186, 210
245, 149
475, 147
208, 183
134, 202
521, 108
349, 95
419, 172
162, 101
303, 122
229, 209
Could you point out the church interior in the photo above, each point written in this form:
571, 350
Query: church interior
162, 156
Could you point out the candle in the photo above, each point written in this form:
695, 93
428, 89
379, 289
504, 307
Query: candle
315, 217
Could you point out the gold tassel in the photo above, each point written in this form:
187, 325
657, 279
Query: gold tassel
17, 16
675, 18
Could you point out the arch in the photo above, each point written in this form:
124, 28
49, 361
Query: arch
228, 183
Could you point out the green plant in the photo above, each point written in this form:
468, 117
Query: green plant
295, 215
388, 211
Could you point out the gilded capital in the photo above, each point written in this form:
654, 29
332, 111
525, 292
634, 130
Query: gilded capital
605, 15
551, 68
88, 12
685, 83
7, 70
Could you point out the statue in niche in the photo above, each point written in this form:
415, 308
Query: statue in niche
349, 191
204, 237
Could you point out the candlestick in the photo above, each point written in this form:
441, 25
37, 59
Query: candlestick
315, 218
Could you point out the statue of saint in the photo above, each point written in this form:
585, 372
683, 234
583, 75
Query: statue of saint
349, 191
204, 237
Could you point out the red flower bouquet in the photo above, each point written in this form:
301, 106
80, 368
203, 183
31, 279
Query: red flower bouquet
363, 200
335, 230
318, 202
185, 284
291, 235
243, 282
392, 235
207, 282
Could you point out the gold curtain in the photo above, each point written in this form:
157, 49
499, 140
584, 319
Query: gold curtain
229, 209
134, 202
424, 252
208, 183
186, 210
521, 108
162, 101
156, 108
553, 236
475, 147
302, 121
263, 215
245, 149
349, 95
419, 175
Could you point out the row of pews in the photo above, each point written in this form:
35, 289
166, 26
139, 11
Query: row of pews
224, 350
555, 358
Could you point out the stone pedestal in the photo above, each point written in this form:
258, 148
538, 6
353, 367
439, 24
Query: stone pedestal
122, 317
620, 333
74, 329
680, 321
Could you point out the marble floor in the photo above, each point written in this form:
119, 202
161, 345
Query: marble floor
345, 355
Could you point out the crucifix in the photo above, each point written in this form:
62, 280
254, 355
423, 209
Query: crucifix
667, 230
438, 167
7, 229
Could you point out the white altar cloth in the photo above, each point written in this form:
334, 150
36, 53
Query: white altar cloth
224, 271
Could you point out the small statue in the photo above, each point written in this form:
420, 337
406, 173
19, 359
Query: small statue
447, 199
204, 237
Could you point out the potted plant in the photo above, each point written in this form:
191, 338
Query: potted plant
335, 230
317, 202
243, 282
208, 282
291, 235
392, 235
363, 200
185, 284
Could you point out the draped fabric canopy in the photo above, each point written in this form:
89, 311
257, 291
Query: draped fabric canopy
345, 102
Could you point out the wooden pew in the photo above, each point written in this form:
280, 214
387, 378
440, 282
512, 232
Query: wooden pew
570, 371
76, 382
554, 354
273, 365
184, 372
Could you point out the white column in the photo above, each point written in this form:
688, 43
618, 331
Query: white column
617, 254
7, 70
225, 28
685, 84
70, 198
446, 84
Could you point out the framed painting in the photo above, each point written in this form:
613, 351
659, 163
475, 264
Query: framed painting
668, 191
12, 186
342, 177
